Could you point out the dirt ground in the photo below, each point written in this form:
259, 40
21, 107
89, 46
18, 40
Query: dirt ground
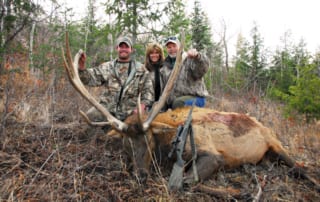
61, 162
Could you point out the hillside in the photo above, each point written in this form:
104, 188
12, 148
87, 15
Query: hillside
46, 155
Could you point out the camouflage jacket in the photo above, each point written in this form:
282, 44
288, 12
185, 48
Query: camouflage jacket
121, 88
190, 80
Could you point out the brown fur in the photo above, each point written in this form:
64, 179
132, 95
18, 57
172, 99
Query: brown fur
222, 140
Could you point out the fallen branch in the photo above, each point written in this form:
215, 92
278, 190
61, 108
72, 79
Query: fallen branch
218, 192
259, 194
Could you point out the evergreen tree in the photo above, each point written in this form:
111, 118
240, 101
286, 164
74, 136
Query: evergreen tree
250, 73
287, 63
316, 62
282, 68
256, 75
241, 63
133, 16
15, 16
177, 19
305, 95
201, 30
301, 56
136, 18
201, 38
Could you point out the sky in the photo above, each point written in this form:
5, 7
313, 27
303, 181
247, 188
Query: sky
273, 17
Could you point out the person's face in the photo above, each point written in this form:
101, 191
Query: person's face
124, 52
172, 49
154, 56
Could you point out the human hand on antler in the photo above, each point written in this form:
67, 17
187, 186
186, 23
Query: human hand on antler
193, 53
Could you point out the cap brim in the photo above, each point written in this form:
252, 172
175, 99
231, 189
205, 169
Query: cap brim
128, 44
171, 41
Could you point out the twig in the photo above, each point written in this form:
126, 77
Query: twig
33, 179
19, 162
259, 194
218, 192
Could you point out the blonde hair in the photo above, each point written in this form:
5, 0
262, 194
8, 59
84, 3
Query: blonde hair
149, 49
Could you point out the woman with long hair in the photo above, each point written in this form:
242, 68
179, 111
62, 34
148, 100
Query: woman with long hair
153, 62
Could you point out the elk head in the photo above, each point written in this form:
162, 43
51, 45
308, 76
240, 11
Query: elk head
134, 127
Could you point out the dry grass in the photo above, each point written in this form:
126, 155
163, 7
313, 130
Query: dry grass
46, 154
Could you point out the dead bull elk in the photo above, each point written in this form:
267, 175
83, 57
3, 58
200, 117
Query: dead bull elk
222, 139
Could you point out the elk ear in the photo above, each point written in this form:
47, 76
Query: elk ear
160, 128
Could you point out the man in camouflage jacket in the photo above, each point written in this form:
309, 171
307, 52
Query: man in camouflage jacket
123, 80
190, 84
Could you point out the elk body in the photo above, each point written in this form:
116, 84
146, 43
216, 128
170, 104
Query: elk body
222, 139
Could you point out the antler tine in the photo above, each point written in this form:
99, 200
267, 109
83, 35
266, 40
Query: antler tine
72, 72
168, 88
68, 51
139, 110
91, 123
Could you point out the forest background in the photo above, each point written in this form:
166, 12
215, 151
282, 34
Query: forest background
280, 88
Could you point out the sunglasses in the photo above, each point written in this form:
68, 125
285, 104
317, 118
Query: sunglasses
170, 38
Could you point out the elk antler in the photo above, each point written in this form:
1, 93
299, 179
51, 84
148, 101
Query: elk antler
72, 72
167, 90
92, 123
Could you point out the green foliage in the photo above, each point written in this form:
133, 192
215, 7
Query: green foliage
146, 20
201, 30
285, 71
16, 16
133, 16
47, 56
250, 64
209, 80
177, 19
283, 80
277, 94
213, 79
305, 95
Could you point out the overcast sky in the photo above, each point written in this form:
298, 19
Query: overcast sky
274, 18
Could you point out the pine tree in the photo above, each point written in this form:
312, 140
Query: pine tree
201, 30
250, 63
305, 95
176, 20
133, 16
15, 17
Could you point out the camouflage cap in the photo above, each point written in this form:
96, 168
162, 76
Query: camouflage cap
125, 40
171, 39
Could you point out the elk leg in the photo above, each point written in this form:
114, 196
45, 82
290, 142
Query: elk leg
207, 164
296, 170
